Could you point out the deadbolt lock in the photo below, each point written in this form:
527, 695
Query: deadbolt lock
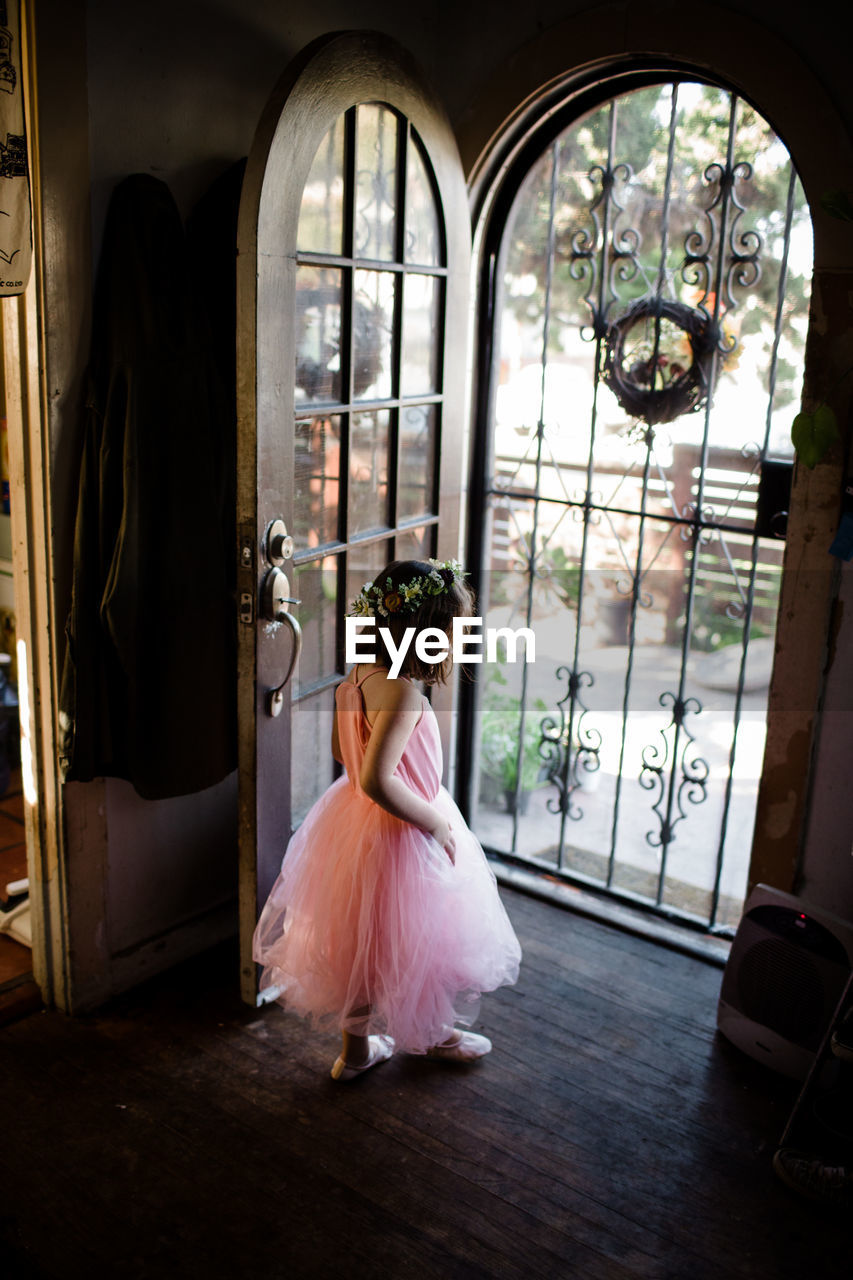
279, 543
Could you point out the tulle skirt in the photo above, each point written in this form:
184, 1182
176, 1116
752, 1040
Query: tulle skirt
370, 927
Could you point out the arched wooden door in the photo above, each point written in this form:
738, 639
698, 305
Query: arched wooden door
353, 273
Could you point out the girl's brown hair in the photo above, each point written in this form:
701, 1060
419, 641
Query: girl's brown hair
456, 601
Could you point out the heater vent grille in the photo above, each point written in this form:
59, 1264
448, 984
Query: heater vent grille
780, 987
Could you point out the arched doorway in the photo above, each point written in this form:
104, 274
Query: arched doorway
647, 265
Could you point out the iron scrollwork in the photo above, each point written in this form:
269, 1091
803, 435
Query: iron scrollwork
744, 247
569, 747
677, 755
588, 245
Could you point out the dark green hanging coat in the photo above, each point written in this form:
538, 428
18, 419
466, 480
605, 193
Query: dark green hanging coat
149, 679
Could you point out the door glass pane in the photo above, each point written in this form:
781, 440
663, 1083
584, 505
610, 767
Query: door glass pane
321, 216
364, 561
376, 182
416, 472
416, 544
422, 230
373, 319
368, 470
419, 372
318, 334
316, 480
312, 763
315, 585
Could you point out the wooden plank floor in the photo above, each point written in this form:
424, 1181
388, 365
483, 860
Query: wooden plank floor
610, 1135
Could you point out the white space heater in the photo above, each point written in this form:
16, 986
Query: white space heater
784, 976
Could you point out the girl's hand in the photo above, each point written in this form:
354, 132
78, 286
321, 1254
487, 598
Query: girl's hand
443, 833
450, 848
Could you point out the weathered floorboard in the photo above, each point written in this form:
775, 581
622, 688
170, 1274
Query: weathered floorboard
610, 1136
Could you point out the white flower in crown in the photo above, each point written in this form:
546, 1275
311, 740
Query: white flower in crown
361, 607
408, 597
455, 565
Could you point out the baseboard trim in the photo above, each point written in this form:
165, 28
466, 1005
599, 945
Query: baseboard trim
153, 955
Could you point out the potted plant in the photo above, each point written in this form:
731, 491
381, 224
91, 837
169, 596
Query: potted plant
499, 750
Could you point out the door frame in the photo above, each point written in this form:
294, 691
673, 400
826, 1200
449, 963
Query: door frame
331, 75
24, 345
559, 109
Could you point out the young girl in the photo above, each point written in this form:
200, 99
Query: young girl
385, 920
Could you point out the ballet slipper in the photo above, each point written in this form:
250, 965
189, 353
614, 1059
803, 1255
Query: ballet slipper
380, 1050
468, 1047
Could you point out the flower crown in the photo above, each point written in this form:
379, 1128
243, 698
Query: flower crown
408, 597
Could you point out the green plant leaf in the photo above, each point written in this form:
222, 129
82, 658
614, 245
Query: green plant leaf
837, 204
814, 434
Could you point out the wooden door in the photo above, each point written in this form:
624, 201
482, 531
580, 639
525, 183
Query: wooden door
353, 272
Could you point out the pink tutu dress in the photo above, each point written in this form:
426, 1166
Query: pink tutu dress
370, 927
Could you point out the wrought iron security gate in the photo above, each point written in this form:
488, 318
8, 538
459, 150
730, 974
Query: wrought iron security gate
650, 309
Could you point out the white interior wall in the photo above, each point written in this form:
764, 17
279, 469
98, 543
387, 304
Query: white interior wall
170, 861
177, 89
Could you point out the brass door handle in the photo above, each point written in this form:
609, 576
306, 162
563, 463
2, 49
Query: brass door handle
275, 600
275, 697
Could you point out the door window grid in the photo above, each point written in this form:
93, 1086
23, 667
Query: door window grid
370, 319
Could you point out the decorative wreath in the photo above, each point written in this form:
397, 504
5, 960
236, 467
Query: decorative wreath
658, 378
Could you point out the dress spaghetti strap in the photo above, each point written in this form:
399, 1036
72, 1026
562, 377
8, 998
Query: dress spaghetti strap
358, 683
